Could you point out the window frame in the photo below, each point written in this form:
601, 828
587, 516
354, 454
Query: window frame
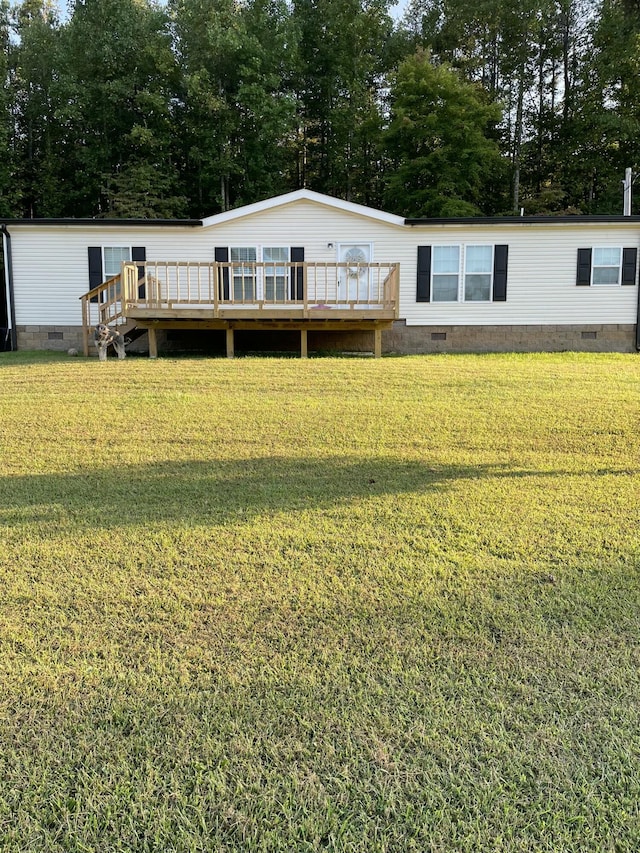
104, 247
491, 272
275, 276
260, 275
434, 249
595, 266
242, 277
462, 273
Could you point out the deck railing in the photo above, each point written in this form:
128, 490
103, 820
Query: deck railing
221, 288
262, 285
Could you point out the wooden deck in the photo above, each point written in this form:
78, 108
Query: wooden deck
299, 296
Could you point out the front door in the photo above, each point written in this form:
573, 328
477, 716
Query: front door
353, 280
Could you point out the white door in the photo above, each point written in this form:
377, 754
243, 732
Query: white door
353, 280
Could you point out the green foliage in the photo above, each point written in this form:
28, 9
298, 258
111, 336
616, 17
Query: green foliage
538, 59
136, 107
344, 56
273, 605
119, 67
142, 189
8, 191
607, 118
439, 139
236, 115
37, 95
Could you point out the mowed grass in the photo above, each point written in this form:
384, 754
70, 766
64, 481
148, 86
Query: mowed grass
336, 604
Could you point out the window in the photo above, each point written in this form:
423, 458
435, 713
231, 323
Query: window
446, 270
243, 274
606, 267
112, 258
473, 273
275, 277
478, 272
250, 282
447, 284
609, 266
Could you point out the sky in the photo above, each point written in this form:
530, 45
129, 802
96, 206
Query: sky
399, 9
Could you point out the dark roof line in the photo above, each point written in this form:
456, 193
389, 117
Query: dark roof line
525, 220
165, 223
462, 220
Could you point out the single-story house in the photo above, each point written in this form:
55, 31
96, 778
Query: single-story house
311, 271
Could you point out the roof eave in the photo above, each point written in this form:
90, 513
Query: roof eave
112, 223
526, 220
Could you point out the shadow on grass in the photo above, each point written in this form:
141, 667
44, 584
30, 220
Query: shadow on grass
221, 492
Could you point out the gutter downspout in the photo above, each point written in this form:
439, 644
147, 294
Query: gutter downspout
8, 276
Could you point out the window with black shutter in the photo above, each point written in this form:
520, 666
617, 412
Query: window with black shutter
606, 266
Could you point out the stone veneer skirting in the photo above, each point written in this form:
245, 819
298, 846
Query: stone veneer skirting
399, 339
613, 337
60, 338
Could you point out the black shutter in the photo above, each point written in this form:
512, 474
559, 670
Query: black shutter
222, 257
583, 275
500, 263
139, 253
629, 265
297, 273
423, 287
95, 268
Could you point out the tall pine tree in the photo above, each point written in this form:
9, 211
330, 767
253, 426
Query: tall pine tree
443, 157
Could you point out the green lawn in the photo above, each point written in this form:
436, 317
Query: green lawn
335, 604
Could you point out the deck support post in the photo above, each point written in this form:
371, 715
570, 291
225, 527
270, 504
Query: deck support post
304, 352
153, 342
377, 343
230, 352
85, 328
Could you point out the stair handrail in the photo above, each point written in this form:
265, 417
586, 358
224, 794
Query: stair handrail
105, 296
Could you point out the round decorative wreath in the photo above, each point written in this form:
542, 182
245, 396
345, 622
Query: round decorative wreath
355, 256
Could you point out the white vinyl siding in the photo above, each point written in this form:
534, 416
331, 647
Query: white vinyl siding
541, 287
50, 262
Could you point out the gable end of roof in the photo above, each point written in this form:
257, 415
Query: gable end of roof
303, 195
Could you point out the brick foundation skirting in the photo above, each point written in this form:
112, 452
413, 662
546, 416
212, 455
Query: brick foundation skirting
401, 339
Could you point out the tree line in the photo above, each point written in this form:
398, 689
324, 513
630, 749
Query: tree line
132, 108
